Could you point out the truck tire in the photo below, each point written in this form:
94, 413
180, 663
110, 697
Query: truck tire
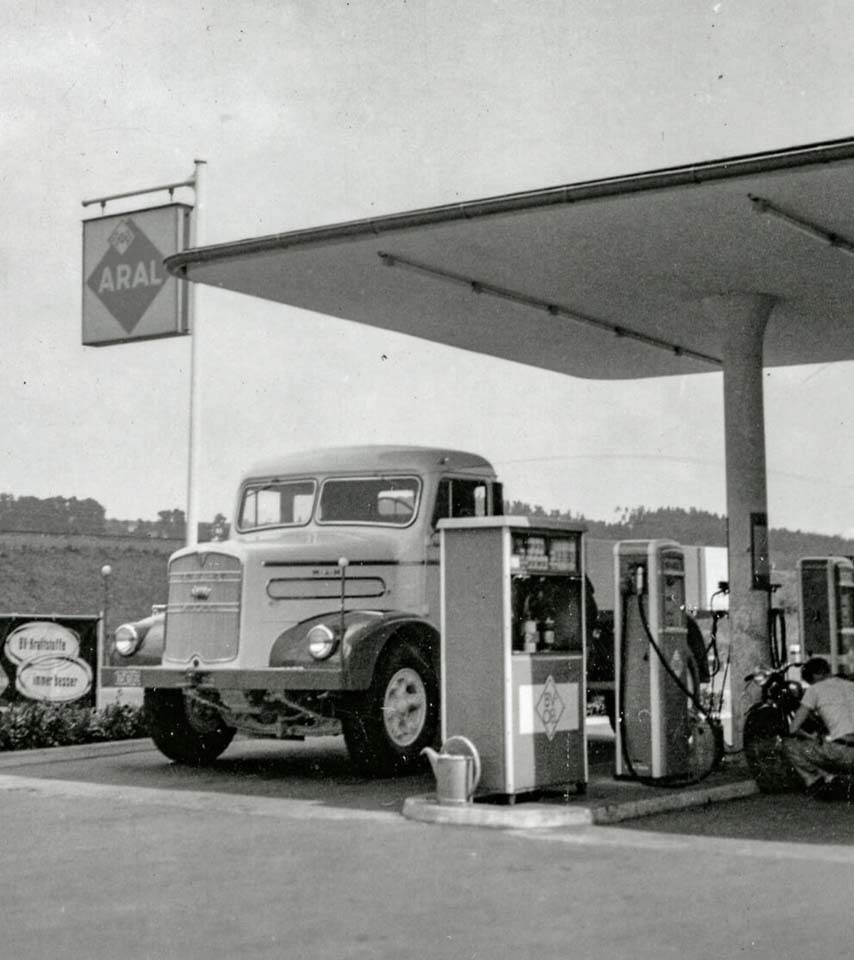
388, 726
183, 732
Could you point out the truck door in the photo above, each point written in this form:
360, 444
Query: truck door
456, 497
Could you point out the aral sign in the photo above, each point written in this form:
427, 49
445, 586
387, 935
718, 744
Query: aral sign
127, 293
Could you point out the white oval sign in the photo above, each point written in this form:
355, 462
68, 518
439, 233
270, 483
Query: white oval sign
41, 638
57, 679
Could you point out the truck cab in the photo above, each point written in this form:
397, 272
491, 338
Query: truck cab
319, 615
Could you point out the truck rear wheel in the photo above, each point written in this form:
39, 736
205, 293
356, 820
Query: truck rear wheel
184, 730
387, 727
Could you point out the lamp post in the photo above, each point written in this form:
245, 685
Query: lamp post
106, 571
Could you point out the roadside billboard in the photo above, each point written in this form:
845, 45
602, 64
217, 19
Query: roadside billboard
127, 292
49, 659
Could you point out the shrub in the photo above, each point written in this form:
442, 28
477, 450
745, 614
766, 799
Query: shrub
30, 726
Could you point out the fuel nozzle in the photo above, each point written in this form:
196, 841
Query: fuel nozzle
635, 582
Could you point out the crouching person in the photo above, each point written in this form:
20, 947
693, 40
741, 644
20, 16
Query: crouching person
824, 763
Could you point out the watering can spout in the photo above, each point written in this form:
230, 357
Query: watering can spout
433, 756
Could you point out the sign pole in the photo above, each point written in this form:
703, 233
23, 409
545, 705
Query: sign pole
192, 521
120, 291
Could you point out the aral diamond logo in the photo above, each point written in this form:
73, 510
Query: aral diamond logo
122, 237
550, 707
129, 275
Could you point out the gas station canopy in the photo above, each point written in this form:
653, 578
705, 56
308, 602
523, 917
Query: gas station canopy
600, 279
731, 264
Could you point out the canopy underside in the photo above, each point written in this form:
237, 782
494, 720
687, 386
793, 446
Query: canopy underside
602, 280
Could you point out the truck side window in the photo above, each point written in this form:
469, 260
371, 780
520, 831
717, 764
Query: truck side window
443, 502
460, 498
468, 498
497, 500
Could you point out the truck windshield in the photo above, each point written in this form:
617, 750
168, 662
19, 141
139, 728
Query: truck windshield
385, 500
277, 503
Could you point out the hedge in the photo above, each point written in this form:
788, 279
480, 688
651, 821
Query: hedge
30, 726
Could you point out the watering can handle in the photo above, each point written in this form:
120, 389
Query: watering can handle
463, 747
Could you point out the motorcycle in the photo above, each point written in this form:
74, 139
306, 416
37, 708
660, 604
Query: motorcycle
766, 725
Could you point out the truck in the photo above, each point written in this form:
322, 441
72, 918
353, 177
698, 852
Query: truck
318, 615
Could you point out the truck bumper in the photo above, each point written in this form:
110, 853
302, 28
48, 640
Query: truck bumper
272, 678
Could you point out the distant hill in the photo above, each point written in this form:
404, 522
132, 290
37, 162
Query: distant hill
60, 573
68, 515
696, 527
73, 516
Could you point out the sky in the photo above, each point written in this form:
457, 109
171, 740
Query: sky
320, 112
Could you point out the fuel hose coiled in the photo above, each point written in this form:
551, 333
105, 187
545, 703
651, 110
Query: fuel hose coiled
712, 722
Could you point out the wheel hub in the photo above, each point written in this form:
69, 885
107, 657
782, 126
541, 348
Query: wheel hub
405, 707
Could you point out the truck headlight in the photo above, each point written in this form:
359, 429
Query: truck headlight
127, 640
321, 642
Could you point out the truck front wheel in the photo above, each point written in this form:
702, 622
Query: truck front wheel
183, 729
387, 727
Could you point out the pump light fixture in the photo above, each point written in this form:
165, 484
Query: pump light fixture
811, 230
554, 309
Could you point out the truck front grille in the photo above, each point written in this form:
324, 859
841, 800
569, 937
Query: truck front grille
203, 614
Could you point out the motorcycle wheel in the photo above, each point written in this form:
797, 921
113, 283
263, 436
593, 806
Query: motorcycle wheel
764, 729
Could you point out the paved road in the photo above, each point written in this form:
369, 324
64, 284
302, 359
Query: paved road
280, 852
318, 771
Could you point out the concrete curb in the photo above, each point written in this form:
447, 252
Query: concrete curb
77, 751
605, 813
526, 816
545, 816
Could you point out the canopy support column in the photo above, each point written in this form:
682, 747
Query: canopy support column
742, 319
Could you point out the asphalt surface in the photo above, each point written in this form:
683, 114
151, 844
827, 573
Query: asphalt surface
789, 818
316, 771
280, 851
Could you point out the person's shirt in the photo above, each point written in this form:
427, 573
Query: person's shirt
833, 700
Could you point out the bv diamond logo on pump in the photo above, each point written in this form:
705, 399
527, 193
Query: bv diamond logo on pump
550, 707
129, 275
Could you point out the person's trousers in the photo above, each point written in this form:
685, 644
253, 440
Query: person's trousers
816, 759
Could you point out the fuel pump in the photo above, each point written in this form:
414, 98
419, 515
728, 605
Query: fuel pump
826, 614
660, 733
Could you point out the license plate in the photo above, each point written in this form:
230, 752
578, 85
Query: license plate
127, 677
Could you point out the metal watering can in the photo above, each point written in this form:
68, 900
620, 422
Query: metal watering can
456, 769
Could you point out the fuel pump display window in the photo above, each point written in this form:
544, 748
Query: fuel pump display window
547, 614
540, 553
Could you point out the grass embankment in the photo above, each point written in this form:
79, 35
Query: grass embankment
59, 574
53, 574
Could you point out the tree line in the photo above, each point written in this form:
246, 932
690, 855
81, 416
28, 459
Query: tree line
51, 515
72, 516
693, 528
